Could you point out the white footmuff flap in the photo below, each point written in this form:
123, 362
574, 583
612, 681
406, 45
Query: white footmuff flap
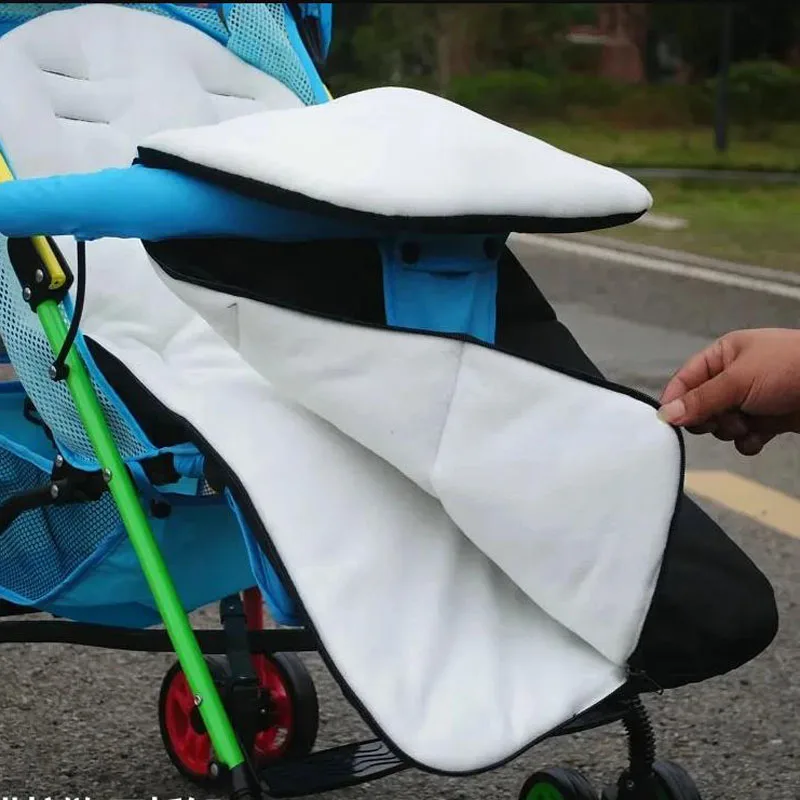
392, 154
567, 486
505, 537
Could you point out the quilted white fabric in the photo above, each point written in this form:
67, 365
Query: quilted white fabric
99, 78
406, 153
520, 620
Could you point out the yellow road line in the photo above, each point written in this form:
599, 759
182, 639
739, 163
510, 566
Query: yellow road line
749, 498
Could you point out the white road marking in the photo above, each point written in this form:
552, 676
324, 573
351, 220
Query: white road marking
661, 265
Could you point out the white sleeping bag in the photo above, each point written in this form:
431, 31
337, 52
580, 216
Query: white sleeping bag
474, 537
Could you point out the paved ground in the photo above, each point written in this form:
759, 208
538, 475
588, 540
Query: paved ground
82, 723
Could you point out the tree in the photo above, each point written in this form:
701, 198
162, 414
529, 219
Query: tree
768, 31
436, 42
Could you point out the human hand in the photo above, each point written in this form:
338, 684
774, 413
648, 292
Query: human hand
743, 388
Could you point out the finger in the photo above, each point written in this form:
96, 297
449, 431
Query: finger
772, 426
753, 443
700, 368
731, 426
716, 396
706, 427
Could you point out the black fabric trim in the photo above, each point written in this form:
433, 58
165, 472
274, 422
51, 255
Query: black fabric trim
469, 223
713, 610
340, 278
528, 326
160, 425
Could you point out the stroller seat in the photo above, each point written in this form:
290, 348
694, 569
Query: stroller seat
82, 86
423, 466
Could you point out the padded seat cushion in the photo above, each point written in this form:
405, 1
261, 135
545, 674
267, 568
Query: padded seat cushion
393, 155
97, 78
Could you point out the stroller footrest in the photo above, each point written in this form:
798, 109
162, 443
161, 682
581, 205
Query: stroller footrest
329, 770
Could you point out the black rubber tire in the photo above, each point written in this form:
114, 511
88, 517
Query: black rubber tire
570, 783
674, 782
219, 673
305, 704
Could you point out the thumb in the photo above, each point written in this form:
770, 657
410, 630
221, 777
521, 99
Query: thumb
716, 396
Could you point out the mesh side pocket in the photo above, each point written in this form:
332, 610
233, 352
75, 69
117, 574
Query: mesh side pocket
31, 355
44, 548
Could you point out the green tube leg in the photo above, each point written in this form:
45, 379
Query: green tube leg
211, 708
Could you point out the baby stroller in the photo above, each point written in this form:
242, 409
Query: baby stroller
288, 351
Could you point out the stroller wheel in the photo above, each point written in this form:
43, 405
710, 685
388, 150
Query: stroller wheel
670, 782
674, 782
558, 783
182, 730
292, 708
288, 716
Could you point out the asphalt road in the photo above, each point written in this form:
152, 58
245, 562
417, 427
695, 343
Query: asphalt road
82, 723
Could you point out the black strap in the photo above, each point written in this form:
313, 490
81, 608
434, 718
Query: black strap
244, 689
18, 504
59, 370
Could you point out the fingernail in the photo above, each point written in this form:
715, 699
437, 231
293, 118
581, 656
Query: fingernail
672, 412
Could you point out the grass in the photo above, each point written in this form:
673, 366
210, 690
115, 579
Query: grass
739, 221
776, 148
752, 224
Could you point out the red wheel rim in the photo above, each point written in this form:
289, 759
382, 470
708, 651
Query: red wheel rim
193, 749
272, 742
